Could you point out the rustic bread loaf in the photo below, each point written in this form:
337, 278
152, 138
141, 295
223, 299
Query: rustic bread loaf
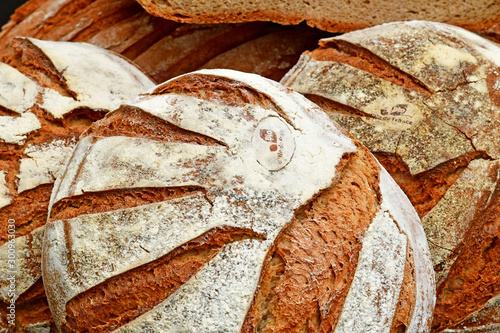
425, 98
222, 202
50, 92
163, 48
334, 16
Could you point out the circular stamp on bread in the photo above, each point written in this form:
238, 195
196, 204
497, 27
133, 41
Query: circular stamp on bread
273, 143
171, 191
446, 158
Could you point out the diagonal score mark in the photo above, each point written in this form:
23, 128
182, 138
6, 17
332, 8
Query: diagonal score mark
123, 162
363, 59
120, 299
329, 105
41, 61
105, 201
217, 88
134, 122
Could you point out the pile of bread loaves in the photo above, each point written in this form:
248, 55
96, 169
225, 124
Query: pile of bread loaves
195, 166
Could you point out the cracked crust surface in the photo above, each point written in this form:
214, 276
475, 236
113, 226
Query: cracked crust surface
283, 257
424, 98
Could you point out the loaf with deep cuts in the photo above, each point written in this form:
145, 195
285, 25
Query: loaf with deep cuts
221, 201
50, 92
425, 98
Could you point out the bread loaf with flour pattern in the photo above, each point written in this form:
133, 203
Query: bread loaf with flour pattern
50, 92
220, 201
425, 98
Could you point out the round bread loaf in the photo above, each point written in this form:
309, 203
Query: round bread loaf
220, 201
425, 98
49, 94
162, 48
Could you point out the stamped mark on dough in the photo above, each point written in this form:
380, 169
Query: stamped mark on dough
396, 110
273, 143
396, 114
399, 115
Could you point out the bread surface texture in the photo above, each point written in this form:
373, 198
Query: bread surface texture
50, 92
163, 48
205, 216
333, 16
424, 97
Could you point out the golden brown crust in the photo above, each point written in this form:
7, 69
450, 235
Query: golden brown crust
271, 54
309, 271
78, 20
215, 89
32, 310
99, 202
456, 193
491, 32
163, 48
29, 205
220, 90
133, 122
486, 320
226, 17
32, 62
311, 267
29, 208
189, 47
335, 17
361, 58
426, 189
125, 297
407, 296
475, 269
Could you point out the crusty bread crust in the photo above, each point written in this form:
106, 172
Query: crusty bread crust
47, 91
326, 227
163, 48
283, 253
424, 101
333, 16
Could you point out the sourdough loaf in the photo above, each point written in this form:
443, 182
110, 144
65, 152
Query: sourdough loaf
425, 98
220, 201
334, 16
163, 48
50, 92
